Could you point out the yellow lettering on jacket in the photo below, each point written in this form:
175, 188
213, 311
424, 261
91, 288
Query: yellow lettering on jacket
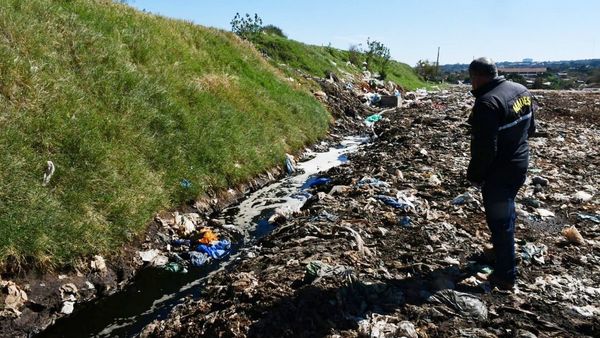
521, 102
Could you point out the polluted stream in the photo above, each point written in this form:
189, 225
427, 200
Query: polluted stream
154, 292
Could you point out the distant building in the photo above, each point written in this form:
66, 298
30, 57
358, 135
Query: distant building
523, 71
528, 60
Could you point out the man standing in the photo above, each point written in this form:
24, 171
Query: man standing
501, 122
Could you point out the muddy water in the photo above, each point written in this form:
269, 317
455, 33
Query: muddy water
154, 292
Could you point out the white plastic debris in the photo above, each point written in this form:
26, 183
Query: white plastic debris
148, 255
98, 264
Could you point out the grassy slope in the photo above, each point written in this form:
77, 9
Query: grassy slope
317, 60
126, 105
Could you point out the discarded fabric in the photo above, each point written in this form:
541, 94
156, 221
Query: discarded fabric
216, 250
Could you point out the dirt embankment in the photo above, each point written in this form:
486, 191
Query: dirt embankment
385, 250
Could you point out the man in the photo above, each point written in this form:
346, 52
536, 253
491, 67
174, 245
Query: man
501, 122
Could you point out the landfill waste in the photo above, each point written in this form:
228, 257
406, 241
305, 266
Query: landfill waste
592, 217
316, 270
175, 267
215, 250
465, 304
199, 258
582, 196
185, 183
372, 119
464, 198
396, 227
316, 181
383, 326
98, 264
380, 260
50, 168
14, 299
534, 253
68, 295
573, 236
290, 164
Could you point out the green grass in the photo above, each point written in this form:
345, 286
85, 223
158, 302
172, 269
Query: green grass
126, 105
316, 60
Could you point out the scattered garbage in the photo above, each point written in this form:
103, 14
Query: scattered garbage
316, 270
175, 267
591, 217
215, 250
464, 198
185, 183
316, 181
290, 164
50, 168
384, 326
573, 236
397, 221
582, 196
392, 202
14, 299
369, 121
466, 304
148, 255
540, 180
98, 264
199, 258
531, 252
544, 213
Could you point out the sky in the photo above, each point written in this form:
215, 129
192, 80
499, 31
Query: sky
505, 30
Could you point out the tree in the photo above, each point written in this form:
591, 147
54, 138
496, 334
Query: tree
377, 55
247, 27
426, 69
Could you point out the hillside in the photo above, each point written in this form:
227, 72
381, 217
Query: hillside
137, 113
129, 107
316, 60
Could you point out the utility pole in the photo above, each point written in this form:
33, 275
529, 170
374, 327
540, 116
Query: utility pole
437, 63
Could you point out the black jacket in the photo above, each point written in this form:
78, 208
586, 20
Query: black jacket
501, 122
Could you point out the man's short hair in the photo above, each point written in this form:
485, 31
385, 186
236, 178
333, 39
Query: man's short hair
483, 67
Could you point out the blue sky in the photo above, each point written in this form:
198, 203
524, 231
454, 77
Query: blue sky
507, 30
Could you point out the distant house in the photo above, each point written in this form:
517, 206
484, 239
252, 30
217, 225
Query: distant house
529, 72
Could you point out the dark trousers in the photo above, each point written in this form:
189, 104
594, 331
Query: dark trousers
499, 192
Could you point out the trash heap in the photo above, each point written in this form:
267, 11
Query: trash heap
387, 247
186, 239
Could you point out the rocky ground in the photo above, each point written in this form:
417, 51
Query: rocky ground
384, 249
